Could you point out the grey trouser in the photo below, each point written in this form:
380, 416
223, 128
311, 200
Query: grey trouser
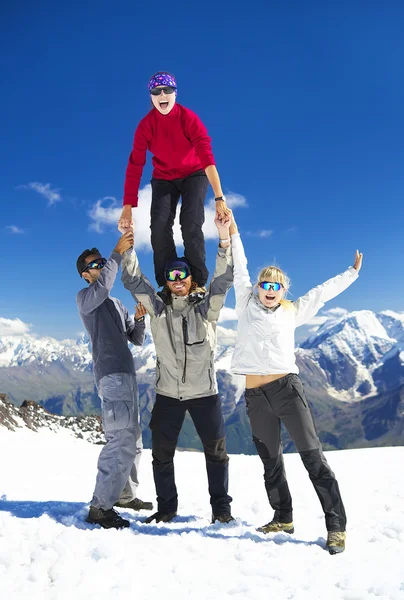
118, 463
285, 400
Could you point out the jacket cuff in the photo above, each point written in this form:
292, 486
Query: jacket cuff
116, 257
224, 251
133, 203
353, 272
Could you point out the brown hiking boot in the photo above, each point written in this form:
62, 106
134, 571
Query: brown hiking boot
135, 504
224, 518
277, 527
336, 542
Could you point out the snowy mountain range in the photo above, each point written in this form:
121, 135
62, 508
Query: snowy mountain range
352, 367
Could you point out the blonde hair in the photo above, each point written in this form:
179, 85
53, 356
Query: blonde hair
273, 273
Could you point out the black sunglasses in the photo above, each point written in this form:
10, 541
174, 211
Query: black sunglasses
167, 90
98, 263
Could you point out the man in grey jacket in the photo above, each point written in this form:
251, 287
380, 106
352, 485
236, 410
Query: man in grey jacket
110, 328
184, 333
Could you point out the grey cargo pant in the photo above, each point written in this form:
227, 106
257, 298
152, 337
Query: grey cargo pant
285, 400
118, 463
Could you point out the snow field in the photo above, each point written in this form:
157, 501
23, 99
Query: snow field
47, 550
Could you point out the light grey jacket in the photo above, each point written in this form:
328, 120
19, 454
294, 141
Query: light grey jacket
184, 331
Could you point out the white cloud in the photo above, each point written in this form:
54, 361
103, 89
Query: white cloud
225, 336
318, 320
265, 233
13, 327
45, 189
106, 212
14, 229
227, 314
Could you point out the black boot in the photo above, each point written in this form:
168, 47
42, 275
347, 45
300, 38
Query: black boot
164, 518
108, 519
223, 518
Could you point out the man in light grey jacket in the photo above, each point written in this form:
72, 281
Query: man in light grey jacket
110, 328
184, 333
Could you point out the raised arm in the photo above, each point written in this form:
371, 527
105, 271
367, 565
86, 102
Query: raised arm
136, 328
309, 304
134, 170
139, 286
222, 279
242, 283
90, 298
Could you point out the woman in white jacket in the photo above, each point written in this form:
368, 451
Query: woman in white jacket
265, 354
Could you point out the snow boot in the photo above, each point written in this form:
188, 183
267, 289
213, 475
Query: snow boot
108, 519
135, 504
161, 517
223, 518
336, 542
277, 527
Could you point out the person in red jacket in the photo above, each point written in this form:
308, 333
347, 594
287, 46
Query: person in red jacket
183, 167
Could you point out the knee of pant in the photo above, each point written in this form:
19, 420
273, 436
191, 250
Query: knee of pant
190, 227
273, 468
263, 450
316, 463
163, 452
215, 451
158, 224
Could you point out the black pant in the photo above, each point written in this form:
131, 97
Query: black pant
165, 197
167, 418
284, 399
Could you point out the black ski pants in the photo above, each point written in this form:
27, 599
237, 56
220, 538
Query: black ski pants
285, 400
167, 418
165, 197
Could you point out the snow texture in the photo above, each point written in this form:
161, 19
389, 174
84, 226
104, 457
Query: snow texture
47, 551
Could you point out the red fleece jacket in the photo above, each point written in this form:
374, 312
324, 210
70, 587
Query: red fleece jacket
180, 145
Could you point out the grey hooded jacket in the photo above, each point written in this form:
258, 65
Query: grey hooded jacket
108, 324
184, 331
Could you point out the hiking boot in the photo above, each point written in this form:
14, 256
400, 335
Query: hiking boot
108, 519
223, 518
135, 504
336, 542
161, 517
277, 527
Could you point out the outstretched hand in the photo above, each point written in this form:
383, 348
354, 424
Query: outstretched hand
358, 261
222, 209
125, 242
125, 222
140, 312
223, 225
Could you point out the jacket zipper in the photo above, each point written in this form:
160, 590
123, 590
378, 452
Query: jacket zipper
158, 365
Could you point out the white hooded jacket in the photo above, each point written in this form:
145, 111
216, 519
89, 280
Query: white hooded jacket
265, 342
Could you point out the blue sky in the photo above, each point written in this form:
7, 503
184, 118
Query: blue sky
304, 104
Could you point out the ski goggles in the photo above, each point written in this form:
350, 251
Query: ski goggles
166, 90
269, 285
174, 274
98, 263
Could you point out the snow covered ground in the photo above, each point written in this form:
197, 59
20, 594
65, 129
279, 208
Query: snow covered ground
47, 550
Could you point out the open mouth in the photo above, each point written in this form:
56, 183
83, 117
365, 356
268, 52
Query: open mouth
164, 104
269, 298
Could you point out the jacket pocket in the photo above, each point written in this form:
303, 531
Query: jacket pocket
117, 414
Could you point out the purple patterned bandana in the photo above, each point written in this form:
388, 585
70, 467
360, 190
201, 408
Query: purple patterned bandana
162, 79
